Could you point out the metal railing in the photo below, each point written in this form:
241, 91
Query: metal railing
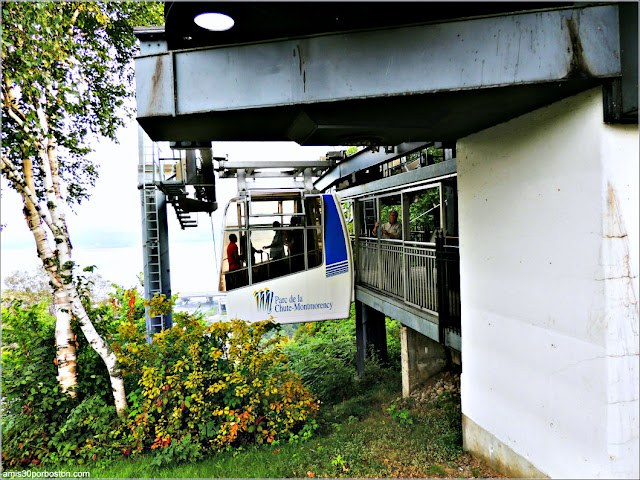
160, 169
421, 277
425, 275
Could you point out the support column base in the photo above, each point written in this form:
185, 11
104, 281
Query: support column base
495, 453
422, 358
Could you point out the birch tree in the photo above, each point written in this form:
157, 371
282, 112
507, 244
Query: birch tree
66, 79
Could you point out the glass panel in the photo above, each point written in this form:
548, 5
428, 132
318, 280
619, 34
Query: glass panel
367, 217
294, 244
314, 211
390, 222
314, 247
450, 199
424, 213
235, 214
265, 211
347, 210
233, 273
271, 258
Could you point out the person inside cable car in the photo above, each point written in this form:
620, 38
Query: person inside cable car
243, 250
276, 268
296, 245
233, 258
277, 244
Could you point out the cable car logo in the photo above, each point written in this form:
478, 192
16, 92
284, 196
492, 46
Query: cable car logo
264, 299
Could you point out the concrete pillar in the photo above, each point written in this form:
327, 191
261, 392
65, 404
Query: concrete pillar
549, 287
371, 334
421, 359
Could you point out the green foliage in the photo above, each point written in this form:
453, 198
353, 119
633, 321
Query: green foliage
213, 387
194, 389
67, 76
40, 424
324, 355
159, 305
400, 415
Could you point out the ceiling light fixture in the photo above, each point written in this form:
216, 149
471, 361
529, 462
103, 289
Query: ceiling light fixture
217, 22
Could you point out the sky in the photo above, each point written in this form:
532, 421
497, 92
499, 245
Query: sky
106, 230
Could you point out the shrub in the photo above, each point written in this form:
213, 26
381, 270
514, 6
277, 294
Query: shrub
209, 388
33, 405
195, 388
325, 358
324, 355
40, 424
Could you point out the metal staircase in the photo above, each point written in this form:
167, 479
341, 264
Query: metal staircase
176, 192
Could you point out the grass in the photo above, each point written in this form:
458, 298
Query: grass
357, 438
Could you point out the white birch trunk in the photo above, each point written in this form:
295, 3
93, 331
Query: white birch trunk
66, 359
63, 280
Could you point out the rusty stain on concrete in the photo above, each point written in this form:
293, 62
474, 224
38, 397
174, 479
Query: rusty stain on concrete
578, 66
156, 81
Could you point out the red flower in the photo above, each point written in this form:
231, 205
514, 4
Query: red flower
132, 300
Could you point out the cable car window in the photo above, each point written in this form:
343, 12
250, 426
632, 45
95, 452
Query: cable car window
424, 214
294, 242
347, 210
274, 262
314, 211
274, 208
284, 237
314, 247
234, 272
235, 214
450, 210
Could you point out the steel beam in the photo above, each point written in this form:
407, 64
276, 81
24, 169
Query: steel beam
364, 159
233, 164
439, 170
468, 54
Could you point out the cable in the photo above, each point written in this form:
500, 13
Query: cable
213, 234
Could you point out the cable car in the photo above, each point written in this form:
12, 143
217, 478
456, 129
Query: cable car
286, 255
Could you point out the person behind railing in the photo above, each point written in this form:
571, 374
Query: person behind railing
296, 245
392, 229
276, 247
233, 258
243, 249
277, 244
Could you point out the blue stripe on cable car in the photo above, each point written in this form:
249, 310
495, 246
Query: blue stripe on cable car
334, 241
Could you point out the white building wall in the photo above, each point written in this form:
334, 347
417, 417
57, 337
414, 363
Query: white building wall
548, 206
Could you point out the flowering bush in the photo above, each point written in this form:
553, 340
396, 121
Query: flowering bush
194, 389
209, 388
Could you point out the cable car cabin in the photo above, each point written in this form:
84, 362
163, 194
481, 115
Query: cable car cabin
286, 255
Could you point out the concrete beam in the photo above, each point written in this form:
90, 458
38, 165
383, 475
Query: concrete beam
468, 54
419, 320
